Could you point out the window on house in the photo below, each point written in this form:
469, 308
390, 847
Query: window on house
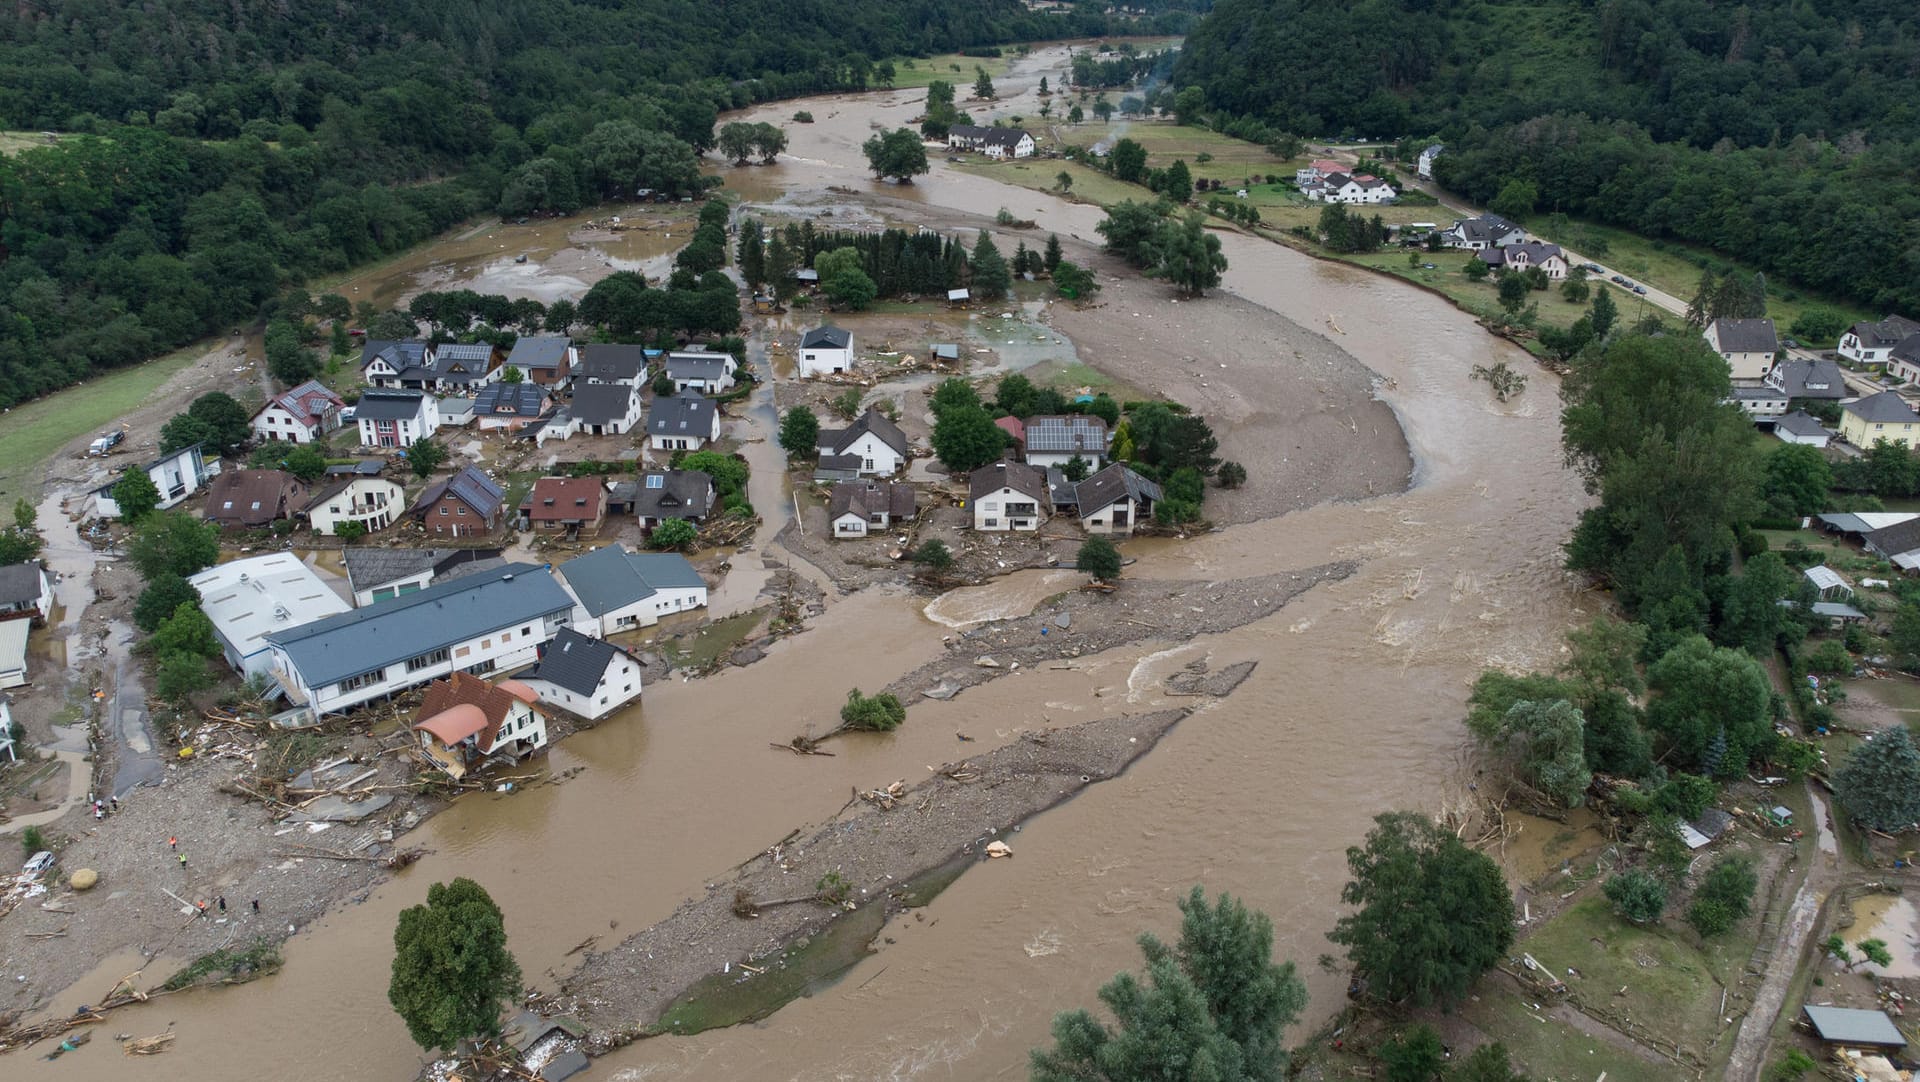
528, 630
443, 510
461, 510
355, 683
480, 669
415, 664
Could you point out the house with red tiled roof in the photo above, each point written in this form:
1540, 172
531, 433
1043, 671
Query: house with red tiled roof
564, 503
300, 414
465, 720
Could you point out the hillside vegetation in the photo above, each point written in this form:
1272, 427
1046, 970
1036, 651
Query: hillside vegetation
1784, 132
214, 153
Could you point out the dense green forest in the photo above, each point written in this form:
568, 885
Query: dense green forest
1779, 131
214, 153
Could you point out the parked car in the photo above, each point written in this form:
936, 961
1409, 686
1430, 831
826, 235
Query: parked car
39, 862
1617, 280
1593, 268
1790, 343
1642, 290
106, 443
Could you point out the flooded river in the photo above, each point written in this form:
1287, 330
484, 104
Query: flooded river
1354, 709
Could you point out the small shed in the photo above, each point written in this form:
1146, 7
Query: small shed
1703, 831
945, 352
1837, 614
958, 298
1828, 581
1864, 1029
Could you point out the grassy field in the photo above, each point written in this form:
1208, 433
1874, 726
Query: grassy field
1675, 268
1448, 276
1549, 1048
949, 68
31, 433
13, 142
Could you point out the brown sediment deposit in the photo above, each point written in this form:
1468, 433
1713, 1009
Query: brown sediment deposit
1086, 622
875, 846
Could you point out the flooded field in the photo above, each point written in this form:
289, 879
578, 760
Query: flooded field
1354, 709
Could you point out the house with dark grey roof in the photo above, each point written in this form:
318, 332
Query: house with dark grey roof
545, 360
1800, 427
1895, 542
25, 590
473, 624
620, 590
1009, 495
1424, 164
1486, 231
377, 574
1059, 439
998, 143
858, 508
253, 498
1869, 342
1526, 255
706, 373
1115, 500
509, 407
383, 362
664, 494
585, 676
606, 363
1747, 345
1884, 416
683, 422
1820, 381
1903, 362
464, 505
824, 351
606, 409
464, 366
395, 419
872, 446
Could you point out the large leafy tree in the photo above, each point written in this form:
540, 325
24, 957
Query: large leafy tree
173, 543
1546, 741
1129, 161
136, 495
452, 973
1797, 480
1132, 231
214, 419
1211, 1007
1190, 256
965, 438
1879, 784
163, 596
898, 154
799, 432
1430, 915
1712, 706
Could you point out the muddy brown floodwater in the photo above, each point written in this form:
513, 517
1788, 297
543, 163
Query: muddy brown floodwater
1354, 709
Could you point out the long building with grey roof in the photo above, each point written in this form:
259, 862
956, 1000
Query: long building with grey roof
476, 624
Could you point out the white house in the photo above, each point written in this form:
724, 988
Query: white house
302, 414
1903, 361
604, 409
683, 422
825, 350
465, 721
1759, 399
26, 589
1869, 343
13, 653
177, 476
1346, 188
1315, 172
1527, 254
999, 143
377, 574
1115, 500
706, 373
395, 419
374, 502
858, 508
509, 407
620, 590
1009, 496
1424, 165
1747, 345
1486, 231
607, 363
585, 676
1058, 440
247, 600
476, 623
871, 446
1799, 427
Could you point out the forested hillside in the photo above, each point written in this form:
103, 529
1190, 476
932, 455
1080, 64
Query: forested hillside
215, 151
1783, 132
